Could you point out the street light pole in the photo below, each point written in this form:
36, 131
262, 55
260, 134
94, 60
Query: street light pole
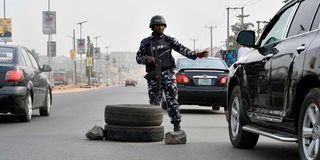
80, 23
96, 38
49, 50
211, 39
107, 65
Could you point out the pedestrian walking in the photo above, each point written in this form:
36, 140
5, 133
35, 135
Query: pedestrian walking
155, 53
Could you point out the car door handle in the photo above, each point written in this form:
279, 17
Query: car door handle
301, 48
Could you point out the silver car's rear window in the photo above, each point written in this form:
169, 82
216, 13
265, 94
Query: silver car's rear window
204, 63
7, 55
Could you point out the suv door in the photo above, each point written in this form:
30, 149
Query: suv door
258, 70
283, 71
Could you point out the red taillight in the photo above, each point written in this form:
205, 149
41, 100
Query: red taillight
181, 79
14, 76
223, 81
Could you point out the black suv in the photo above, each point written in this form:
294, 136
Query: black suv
274, 90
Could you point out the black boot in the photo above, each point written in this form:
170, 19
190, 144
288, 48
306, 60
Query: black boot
176, 127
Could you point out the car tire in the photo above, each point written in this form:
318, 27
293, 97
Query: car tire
238, 137
133, 115
45, 109
27, 108
163, 103
215, 108
134, 134
309, 126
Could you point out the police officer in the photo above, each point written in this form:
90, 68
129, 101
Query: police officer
158, 47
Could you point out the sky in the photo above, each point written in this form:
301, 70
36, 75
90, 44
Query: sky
122, 24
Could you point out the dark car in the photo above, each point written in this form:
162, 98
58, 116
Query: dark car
274, 91
23, 85
201, 82
130, 82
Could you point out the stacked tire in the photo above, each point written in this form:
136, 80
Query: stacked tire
133, 123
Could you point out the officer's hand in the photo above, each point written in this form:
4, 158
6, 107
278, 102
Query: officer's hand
202, 54
150, 60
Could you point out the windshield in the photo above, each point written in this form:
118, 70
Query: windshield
204, 63
7, 55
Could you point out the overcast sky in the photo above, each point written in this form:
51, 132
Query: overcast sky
123, 23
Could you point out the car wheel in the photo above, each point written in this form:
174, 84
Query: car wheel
215, 108
27, 106
133, 115
163, 103
309, 126
238, 137
134, 134
45, 109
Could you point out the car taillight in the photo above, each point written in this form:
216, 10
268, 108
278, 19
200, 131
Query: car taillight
181, 79
14, 76
223, 81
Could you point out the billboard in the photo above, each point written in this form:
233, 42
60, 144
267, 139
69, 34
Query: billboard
49, 22
81, 46
5, 30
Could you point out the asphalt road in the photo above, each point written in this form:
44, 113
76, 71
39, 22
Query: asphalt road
62, 135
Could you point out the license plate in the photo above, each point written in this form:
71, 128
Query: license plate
204, 81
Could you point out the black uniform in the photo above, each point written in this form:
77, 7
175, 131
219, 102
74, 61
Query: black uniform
162, 46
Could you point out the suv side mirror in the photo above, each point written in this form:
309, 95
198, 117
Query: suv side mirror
46, 68
246, 38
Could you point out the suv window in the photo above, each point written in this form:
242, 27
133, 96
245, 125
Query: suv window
303, 17
315, 24
26, 58
277, 31
33, 61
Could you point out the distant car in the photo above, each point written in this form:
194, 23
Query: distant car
130, 83
60, 78
23, 85
201, 82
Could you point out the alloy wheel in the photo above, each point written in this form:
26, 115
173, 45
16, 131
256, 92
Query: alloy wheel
235, 114
311, 131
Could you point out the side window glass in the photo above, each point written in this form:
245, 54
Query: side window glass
26, 58
316, 21
277, 31
303, 17
33, 61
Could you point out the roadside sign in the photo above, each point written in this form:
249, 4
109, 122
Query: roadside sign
81, 46
89, 61
97, 53
73, 54
49, 22
5, 30
53, 48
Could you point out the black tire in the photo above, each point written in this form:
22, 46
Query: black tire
238, 137
309, 126
163, 103
45, 109
27, 109
133, 115
134, 134
215, 108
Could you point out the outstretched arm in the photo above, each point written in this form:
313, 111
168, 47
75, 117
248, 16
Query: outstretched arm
186, 51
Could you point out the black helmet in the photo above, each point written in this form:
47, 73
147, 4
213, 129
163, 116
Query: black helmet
157, 20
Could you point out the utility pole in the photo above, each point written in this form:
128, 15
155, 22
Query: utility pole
80, 23
259, 31
75, 60
4, 13
107, 65
96, 38
228, 34
49, 50
194, 43
211, 39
